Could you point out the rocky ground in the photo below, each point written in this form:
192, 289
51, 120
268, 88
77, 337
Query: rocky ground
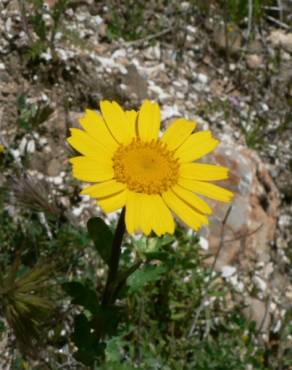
239, 86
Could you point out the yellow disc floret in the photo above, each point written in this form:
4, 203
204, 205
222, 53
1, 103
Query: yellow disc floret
146, 167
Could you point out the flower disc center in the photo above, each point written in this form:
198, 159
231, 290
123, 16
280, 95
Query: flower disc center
145, 167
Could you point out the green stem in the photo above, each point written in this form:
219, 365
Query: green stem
108, 294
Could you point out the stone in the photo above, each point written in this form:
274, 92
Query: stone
153, 52
54, 167
251, 223
254, 61
135, 83
259, 312
282, 39
51, 3
233, 40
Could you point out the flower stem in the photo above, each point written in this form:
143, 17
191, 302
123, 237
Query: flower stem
108, 294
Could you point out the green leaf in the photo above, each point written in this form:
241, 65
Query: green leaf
105, 320
102, 237
113, 352
82, 295
116, 366
89, 348
82, 336
2, 326
147, 274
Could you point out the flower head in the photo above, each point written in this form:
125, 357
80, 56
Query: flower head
151, 176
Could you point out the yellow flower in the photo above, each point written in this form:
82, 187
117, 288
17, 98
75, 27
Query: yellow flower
1, 148
151, 176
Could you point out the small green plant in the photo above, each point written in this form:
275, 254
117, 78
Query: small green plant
31, 115
255, 134
239, 9
126, 21
45, 32
26, 301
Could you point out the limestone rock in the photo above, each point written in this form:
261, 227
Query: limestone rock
232, 40
258, 311
54, 167
280, 38
254, 61
251, 223
135, 83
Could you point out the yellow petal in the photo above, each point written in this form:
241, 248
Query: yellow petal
177, 133
137, 213
117, 122
203, 172
92, 169
149, 121
93, 123
161, 217
132, 119
146, 213
187, 214
156, 215
113, 202
85, 144
192, 199
132, 218
196, 146
104, 189
209, 190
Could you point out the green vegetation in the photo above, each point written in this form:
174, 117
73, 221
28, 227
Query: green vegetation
42, 24
165, 309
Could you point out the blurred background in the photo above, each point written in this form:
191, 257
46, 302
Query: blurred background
220, 299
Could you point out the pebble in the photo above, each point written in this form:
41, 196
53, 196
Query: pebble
259, 283
30, 146
228, 271
202, 78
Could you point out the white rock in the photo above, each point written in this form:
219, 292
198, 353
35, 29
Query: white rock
78, 210
2, 66
8, 26
169, 111
239, 287
43, 141
259, 283
47, 56
30, 148
153, 52
120, 53
284, 220
22, 145
228, 271
191, 29
58, 36
44, 98
63, 55
98, 20
232, 67
265, 107
58, 180
158, 90
277, 327
204, 244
